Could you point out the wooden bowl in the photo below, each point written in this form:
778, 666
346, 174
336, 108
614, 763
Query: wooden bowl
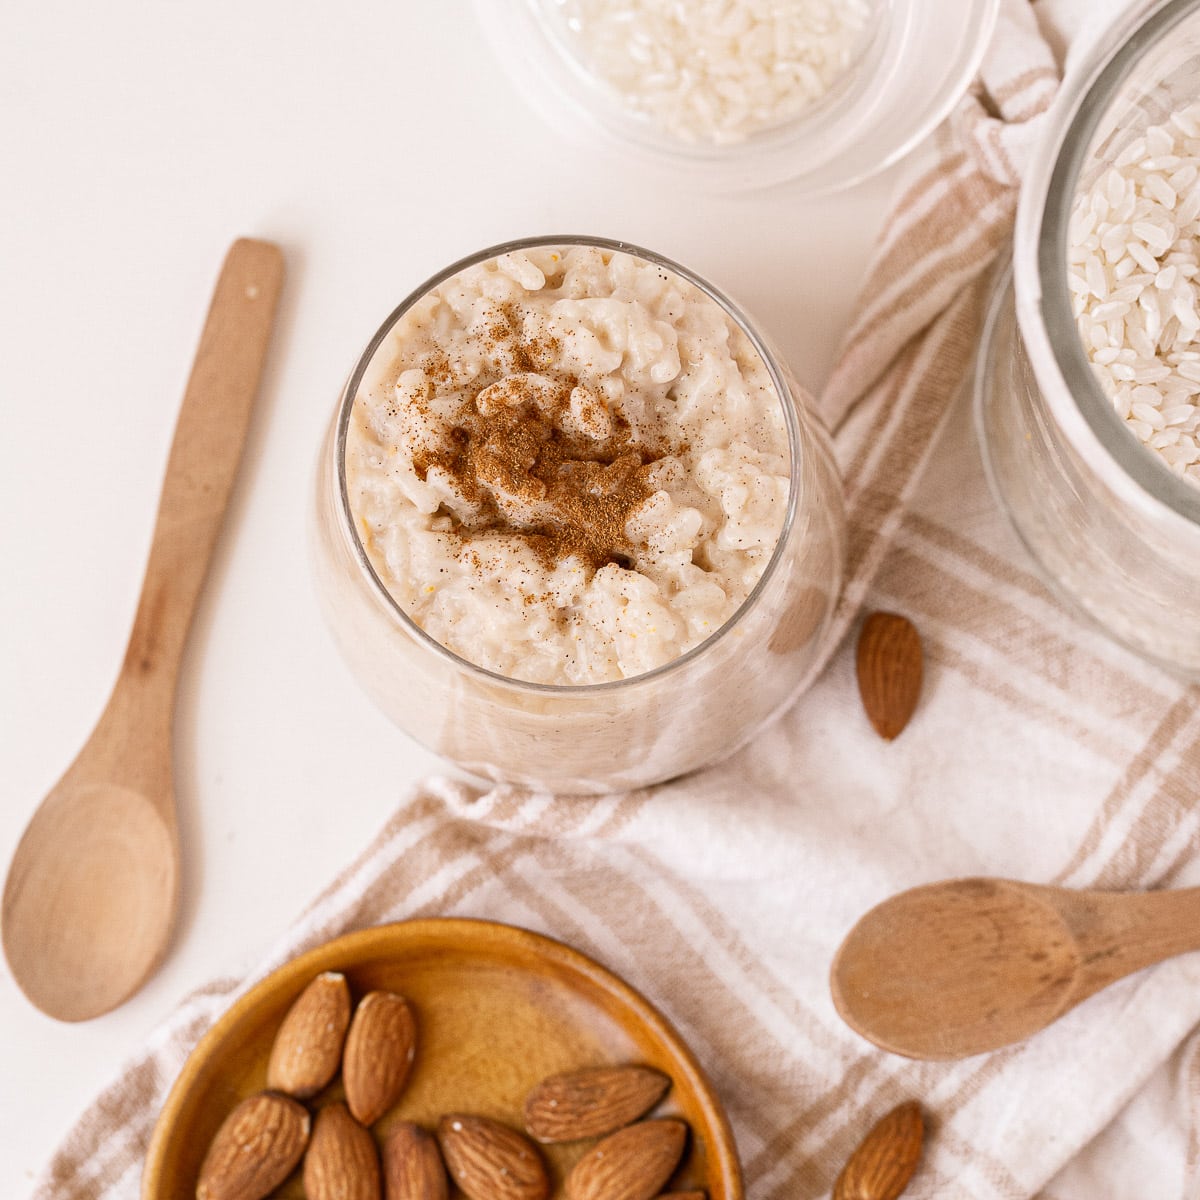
498, 1009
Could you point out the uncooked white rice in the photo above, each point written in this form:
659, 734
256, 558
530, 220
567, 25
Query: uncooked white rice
717, 71
1133, 271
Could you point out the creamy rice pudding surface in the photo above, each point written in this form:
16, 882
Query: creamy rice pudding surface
568, 465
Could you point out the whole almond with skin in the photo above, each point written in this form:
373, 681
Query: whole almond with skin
490, 1161
256, 1148
342, 1162
890, 671
885, 1161
379, 1053
412, 1165
593, 1102
681, 1196
632, 1164
307, 1049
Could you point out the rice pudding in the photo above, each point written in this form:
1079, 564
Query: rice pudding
574, 526
568, 464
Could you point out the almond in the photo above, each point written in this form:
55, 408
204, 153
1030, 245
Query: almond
593, 1102
890, 671
380, 1048
255, 1149
885, 1161
489, 1161
342, 1162
681, 1196
308, 1047
632, 1164
412, 1165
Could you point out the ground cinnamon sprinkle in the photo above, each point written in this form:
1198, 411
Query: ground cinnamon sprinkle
516, 453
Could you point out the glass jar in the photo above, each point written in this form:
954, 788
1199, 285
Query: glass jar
606, 736
1114, 530
913, 62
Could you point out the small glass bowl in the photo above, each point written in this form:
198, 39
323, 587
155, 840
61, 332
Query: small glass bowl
911, 68
609, 736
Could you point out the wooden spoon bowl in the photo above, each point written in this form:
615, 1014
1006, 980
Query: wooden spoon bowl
969, 965
103, 831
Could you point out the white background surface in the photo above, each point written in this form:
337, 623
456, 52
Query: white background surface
376, 142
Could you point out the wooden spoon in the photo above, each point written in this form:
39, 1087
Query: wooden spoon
970, 965
93, 888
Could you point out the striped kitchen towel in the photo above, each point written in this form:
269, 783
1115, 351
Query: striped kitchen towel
1039, 751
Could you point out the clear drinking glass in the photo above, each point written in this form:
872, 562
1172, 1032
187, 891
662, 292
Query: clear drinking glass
1115, 532
607, 736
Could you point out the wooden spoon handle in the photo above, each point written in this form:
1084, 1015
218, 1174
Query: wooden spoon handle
205, 453
1119, 933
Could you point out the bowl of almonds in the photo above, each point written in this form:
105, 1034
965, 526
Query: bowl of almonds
442, 1058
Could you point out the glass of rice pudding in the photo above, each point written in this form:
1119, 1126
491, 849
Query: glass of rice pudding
574, 527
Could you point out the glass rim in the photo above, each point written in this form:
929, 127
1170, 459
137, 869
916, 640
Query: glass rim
1046, 318
784, 396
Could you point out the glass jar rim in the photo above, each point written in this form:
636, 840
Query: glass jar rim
783, 393
1041, 248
